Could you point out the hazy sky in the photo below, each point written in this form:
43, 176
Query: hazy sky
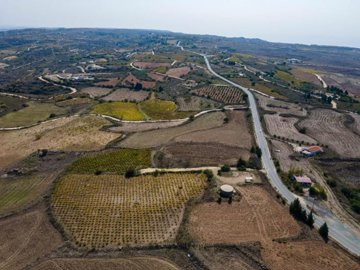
332, 22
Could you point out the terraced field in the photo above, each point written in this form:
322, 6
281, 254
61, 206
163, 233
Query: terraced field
30, 115
112, 211
285, 127
121, 110
114, 161
223, 94
328, 127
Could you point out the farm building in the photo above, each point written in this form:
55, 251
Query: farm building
312, 151
249, 179
226, 191
303, 180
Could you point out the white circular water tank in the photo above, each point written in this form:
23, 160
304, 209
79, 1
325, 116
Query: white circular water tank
226, 191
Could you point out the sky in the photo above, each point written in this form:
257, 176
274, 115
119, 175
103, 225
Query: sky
323, 22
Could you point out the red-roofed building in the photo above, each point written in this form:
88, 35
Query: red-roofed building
303, 180
312, 151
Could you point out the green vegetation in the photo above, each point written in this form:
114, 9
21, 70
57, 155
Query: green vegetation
287, 77
324, 232
161, 70
353, 196
299, 213
225, 168
122, 110
31, 114
161, 110
317, 191
119, 161
259, 86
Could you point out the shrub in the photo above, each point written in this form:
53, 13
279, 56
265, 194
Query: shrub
241, 164
225, 168
131, 173
324, 232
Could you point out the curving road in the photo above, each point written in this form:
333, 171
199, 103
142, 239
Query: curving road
338, 231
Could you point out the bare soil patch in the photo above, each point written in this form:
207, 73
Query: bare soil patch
235, 133
302, 75
155, 138
328, 127
96, 91
194, 103
178, 155
257, 217
178, 72
127, 94
312, 255
156, 77
285, 127
25, 238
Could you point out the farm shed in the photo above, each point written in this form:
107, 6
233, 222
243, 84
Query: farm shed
249, 179
303, 180
226, 191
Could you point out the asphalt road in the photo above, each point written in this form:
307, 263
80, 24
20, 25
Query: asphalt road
338, 231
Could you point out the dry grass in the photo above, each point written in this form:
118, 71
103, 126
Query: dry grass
280, 106
133, 262
257, 217
150, 65
125, 94
306, 76
144, 126
327, 127
131, 81
312, 255
26, 237
112, 211
149, 139
110, 82
73, 133
284, 127
96, 91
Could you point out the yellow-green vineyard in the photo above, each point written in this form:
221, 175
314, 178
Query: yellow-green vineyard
110, 210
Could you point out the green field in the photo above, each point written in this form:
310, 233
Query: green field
259, 87
30, 115
162, 110
287, 77
115, 162
16, 193
122, 110
10, 104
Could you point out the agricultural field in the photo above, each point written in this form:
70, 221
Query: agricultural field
131, 81
112, 82
178, 155
156, 77
281, 107
31, 114
130, 127
154, 138
15, 193
145, 262
125, 94
70, 134
328, 127
307, 254
122, 110
118, 161
194, 103
158, 109
25, 238
288, 78
234, 133
259, 86
96, 91
306, 76
223, 94
257, 217
75, 102
285, 127
178, 72
239, 257
10, 104
112, 211
150, 65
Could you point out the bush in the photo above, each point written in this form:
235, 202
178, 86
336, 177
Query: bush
225, 168
331, 183
241, 164
254, 162
131, 173
310, 220
209, 174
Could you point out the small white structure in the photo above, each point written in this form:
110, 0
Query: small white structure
226, 191
249, 179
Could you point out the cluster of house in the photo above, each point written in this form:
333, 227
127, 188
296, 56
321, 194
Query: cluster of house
311, 151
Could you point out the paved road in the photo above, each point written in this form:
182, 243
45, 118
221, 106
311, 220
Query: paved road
341, 233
